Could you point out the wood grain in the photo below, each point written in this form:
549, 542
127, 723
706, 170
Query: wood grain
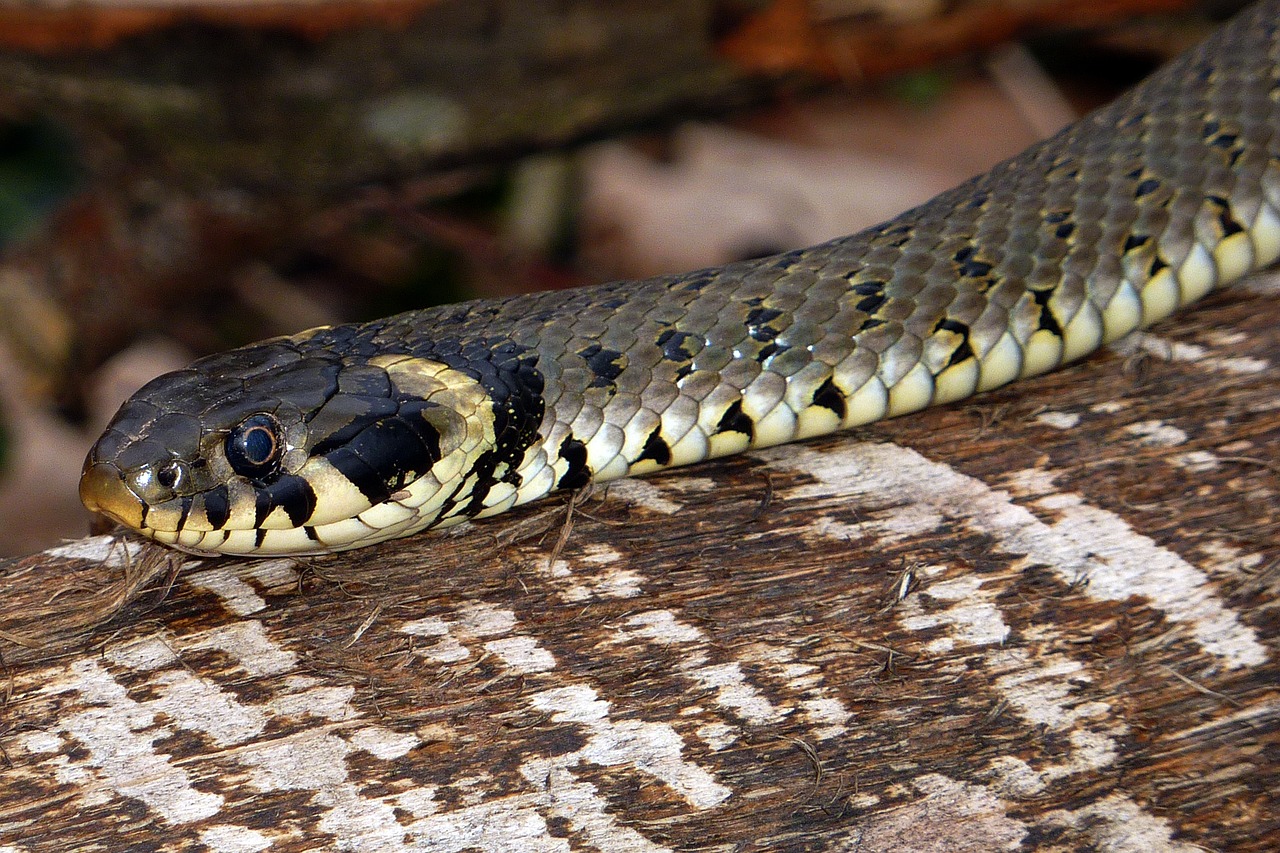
1045, 619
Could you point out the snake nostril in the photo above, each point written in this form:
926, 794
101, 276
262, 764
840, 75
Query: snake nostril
172, 475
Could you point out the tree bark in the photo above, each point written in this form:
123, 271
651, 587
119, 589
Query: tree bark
1042, 619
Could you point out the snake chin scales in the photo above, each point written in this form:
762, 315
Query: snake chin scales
342, 436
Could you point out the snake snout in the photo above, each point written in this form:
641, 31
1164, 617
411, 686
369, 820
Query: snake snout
103, 489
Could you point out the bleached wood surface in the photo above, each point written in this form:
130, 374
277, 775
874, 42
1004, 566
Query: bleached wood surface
729, 658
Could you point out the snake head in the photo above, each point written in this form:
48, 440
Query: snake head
286, 448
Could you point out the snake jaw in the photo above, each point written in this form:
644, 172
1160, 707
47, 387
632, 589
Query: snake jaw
103, 489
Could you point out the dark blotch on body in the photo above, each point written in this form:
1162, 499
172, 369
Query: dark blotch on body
605, 364
575, 453
734, 420
656, 448
830, 397
672, 343
963, 350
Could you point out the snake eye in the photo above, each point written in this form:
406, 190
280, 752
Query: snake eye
253, 448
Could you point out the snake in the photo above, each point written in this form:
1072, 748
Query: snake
346, 435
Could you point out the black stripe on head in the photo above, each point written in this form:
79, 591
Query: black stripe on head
383, 456
343, 417
291, 493
217, 507
370, 483
398, 448
186, 501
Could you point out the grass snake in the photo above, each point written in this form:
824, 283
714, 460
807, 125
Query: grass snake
346, 435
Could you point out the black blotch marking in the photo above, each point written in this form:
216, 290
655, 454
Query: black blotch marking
759, 316
869, 323
186, 511
370, 483
672, 344
871, 304
1048, 322
734, 420
1226, 221
1133, 120
217, 507
259, 537
606, 364
384, 456
1055, 216
768, 350
311, 533
1134, 241
1157, 263
291, 493
343, 417
830, 397
757, 324
963, 350
969, 267
1065, 230
507, 371
899, 232
869, 288
684, 371
656, 448
575, 453
1217, 138
1146, 187
483, 470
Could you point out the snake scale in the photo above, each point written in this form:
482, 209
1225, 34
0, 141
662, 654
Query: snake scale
347, 435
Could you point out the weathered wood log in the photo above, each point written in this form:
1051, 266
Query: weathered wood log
1043, 619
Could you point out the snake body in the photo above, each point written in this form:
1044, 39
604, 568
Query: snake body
342, 436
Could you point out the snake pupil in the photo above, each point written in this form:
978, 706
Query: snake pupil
253, 447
